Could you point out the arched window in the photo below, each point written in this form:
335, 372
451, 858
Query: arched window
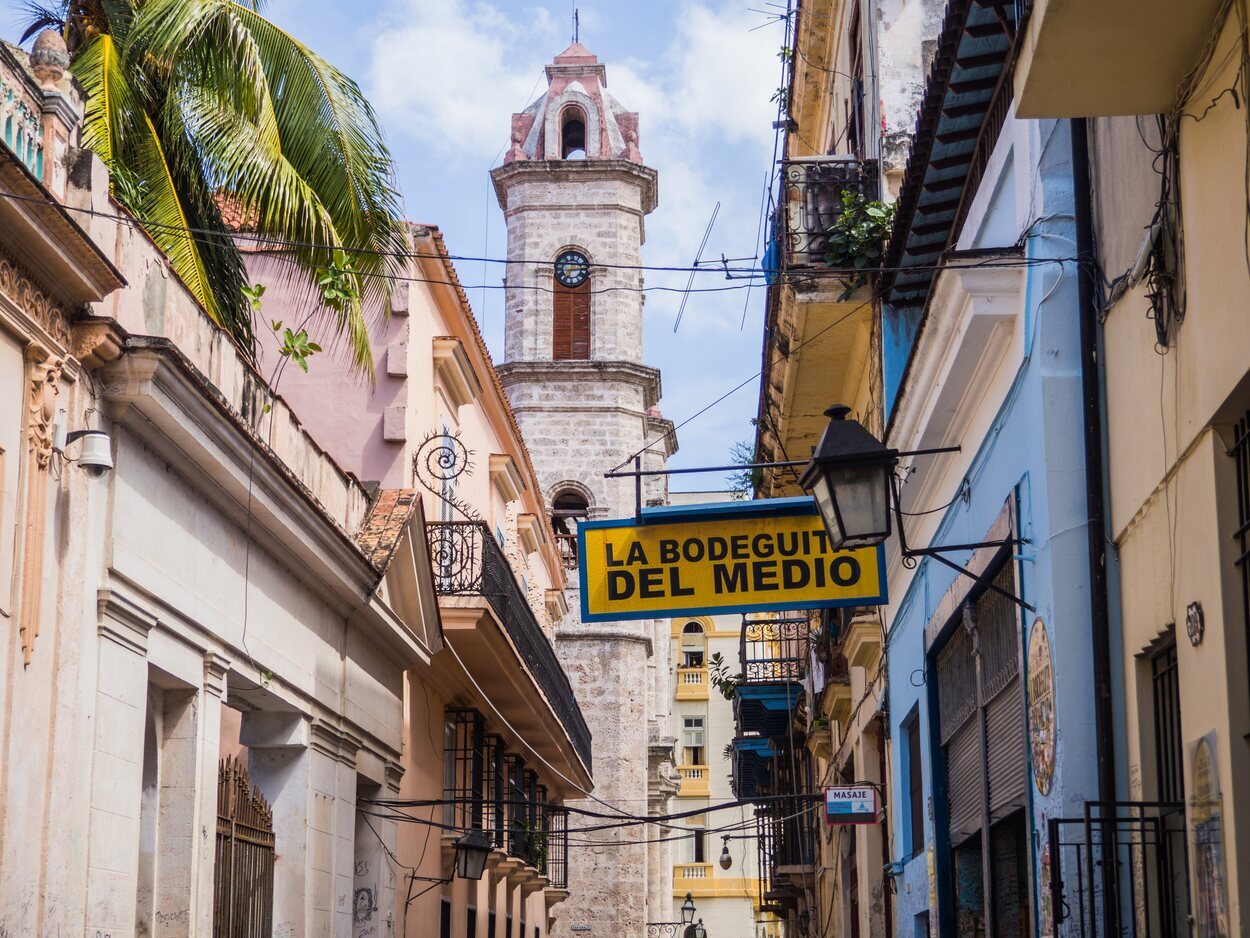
573, 135
568, 509
693, 645
570, 307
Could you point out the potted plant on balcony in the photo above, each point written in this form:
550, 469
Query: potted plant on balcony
857, 237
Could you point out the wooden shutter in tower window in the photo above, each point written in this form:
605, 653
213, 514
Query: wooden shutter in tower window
570, 322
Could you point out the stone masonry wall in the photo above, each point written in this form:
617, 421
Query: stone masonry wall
602, 217
581, 419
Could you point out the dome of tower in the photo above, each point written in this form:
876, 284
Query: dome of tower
575, 118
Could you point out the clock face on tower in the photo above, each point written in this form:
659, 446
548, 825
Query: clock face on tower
572, 268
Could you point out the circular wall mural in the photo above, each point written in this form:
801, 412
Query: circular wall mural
1041, 707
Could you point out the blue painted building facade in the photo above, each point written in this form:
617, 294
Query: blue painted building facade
991, 702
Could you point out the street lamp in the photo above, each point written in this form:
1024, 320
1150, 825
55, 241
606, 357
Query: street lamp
849, 478
687, 910
471, 850
686, 928
726, 861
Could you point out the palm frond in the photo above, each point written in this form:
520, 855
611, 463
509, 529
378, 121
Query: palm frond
39, 17
207, 98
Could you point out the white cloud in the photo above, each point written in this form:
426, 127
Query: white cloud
451, 72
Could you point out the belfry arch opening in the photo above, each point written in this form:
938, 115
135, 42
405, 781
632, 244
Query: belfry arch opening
573, 135
569, 508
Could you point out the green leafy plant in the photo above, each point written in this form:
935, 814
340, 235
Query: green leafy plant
720, 677
338, 282
253, 295
295, 346
857, 238
536, 845
742, 484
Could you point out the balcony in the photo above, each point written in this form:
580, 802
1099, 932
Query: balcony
787, 842
1111, 57
774, 653
692, 683
694, 781
567, 545
753, 764
467, 561
813, 203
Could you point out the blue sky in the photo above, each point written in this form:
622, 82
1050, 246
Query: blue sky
445, 76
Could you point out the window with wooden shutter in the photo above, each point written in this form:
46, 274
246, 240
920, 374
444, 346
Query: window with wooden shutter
570, 325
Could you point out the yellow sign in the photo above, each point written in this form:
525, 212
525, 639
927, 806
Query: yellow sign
727, 557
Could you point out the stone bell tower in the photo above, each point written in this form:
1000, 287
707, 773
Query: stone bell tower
575, 193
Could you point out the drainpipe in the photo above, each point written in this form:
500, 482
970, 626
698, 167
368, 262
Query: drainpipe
1087, 301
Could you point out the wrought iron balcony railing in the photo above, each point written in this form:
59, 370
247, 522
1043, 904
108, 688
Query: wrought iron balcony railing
468, 562
813, 203
567, 543
773, 649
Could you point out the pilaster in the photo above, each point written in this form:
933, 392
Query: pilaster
216, 668
117, 770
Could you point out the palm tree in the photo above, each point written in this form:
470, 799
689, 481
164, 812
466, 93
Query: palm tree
196, 105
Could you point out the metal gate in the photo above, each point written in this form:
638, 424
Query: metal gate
243, 876
1121, 870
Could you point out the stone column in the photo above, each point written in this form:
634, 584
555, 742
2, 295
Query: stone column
117, 772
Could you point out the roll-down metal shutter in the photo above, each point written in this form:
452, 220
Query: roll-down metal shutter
963, 781
1006, 745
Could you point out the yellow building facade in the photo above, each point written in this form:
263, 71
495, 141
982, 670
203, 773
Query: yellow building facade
1165, 121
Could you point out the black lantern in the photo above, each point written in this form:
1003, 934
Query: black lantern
687, 910
471, 850
697, 930
849, 477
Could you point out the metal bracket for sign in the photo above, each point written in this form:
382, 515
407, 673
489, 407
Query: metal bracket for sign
909, 553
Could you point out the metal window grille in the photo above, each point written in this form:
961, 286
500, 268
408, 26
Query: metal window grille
557, 821
1241, 454
541, 851
514, 775
243, 875
1169, 773
464, 773
1149, 895
532, 836
494, 810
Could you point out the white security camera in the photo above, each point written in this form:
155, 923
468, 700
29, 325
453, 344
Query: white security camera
96, 457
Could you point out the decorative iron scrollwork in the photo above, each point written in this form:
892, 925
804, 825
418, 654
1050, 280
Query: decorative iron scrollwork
438, 462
